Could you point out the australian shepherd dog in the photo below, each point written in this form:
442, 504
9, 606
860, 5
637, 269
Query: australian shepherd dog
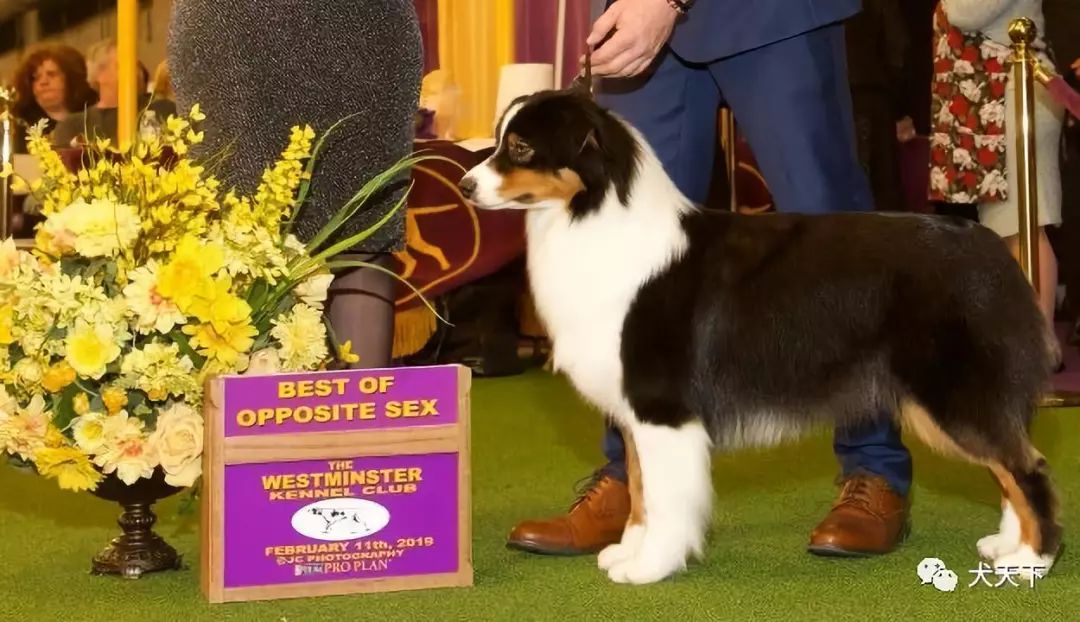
694, 329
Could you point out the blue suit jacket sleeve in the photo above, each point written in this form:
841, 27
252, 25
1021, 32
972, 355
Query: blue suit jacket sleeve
715, 29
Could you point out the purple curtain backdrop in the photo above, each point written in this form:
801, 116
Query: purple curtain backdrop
535, 26
428, 13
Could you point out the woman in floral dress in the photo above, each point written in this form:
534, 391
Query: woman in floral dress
973, 158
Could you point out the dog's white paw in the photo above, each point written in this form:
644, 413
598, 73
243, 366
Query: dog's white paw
623, 551
1024, 562
651, 564
997, 545
640, 571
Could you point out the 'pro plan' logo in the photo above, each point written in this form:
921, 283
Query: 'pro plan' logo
340, 519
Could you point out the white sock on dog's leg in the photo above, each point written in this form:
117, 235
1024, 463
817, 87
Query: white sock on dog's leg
1006, 540
677, 493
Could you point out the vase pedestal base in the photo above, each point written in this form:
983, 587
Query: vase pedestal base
137, 550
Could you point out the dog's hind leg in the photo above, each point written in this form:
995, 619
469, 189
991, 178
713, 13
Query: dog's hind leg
676, 490
627, 548
1029, 519
1029, 535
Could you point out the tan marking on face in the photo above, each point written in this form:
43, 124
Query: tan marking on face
530, 186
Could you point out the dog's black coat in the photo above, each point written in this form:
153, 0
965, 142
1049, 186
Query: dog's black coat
816, 319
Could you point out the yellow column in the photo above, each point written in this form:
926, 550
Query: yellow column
476, 38
127, 12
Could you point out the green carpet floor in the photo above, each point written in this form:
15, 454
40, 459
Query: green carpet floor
532, 439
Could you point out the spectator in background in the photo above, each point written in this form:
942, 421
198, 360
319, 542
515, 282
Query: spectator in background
50, 84
876, 50
100, 121
1063, 32
161, 85
974, 157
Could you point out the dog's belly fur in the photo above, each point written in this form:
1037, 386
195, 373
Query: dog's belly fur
764, 326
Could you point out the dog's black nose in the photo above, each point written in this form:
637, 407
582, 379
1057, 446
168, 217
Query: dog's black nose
467, 186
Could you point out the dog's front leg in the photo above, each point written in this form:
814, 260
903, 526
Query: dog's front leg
676, 490
628, 547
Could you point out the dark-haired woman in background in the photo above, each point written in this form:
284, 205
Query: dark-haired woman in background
50, 83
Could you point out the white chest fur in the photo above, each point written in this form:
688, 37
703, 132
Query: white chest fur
584, 276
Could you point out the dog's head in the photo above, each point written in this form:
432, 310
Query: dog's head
555, 150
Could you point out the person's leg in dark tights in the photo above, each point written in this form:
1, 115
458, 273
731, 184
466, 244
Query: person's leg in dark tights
361, 310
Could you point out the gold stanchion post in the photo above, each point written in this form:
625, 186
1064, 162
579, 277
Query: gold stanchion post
127, 12
1024, 63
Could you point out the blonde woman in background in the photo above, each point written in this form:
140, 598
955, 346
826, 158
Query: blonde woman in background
161, 84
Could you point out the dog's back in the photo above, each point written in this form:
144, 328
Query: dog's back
773, 323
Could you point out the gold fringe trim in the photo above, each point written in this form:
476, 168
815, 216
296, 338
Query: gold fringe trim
413, 328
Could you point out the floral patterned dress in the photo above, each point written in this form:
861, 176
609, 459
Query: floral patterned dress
973, 135
967, 148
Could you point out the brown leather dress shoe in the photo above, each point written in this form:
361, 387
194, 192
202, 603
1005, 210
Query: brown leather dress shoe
594, 521
869, 518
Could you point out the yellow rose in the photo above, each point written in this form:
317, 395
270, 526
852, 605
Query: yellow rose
89, 431
178, 442
115, 399
90, 348
157, 394
313, 290
81, 404
58, 377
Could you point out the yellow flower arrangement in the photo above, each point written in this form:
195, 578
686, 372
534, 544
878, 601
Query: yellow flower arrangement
145, 279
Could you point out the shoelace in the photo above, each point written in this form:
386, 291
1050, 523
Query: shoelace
857, 491
586, 488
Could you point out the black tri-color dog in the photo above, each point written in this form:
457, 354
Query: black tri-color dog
692, 328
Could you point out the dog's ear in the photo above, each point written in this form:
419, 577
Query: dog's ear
590, 141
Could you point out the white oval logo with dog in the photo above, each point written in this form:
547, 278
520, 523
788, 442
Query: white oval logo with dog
340, 519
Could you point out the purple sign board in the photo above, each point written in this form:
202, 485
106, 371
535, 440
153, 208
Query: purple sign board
367, 507
334, 401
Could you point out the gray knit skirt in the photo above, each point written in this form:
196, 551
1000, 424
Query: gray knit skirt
258, 67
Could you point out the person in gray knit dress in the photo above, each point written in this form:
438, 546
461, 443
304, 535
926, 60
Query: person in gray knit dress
258, 67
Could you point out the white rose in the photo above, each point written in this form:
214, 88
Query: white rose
264, 362
312, 290
178, 441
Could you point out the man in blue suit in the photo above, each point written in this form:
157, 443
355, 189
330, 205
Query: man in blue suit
780, 65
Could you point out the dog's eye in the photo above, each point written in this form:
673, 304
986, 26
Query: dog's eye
520, 152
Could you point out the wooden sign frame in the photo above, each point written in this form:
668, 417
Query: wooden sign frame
220, 452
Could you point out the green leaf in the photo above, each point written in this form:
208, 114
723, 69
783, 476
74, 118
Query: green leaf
180, 339
64, 407
353, 263
352, 241
371, 187
305, 185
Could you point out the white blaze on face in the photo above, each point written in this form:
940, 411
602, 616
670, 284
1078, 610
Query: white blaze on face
519, 187
488, 181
